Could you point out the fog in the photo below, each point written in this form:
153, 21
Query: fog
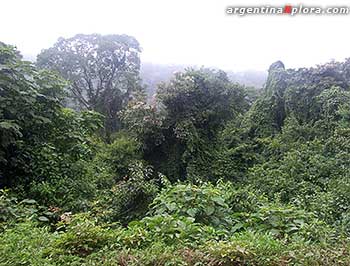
184, 32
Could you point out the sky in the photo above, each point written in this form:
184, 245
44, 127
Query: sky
195, 32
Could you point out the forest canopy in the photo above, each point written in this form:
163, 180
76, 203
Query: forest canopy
208, 172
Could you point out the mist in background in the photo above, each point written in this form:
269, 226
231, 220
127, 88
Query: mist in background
176, 34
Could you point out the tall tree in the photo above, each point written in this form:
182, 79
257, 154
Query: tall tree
103, 71
197, 104
45, 149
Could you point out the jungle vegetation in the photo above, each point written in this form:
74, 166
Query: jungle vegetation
210, 172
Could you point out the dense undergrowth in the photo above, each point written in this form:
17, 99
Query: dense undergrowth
205, 176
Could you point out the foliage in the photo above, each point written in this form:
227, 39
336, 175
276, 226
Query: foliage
285, 222
102, 70
128, 199
254, 178
169, 229
144, 122
26, 244
197, 105
251, 248
46, 148
235, 153
27, 109
204, 203
81, 236
157, 241
120, 155
13, 211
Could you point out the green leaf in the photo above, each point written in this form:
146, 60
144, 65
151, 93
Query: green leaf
43, 219
192, 212
29, 201
209, 210
219, 201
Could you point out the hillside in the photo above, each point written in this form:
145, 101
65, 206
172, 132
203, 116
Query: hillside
211, 172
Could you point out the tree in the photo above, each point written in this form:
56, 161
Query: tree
296, 93
29, 101
103, 71
45, 149
197, 103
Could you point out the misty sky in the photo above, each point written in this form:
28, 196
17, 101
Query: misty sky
184, 31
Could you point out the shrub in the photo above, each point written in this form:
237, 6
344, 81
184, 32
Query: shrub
128, 199
81, 237
205, 203
168, 229
256, 248
302, 171
284, 222
331, 204
26, 244
120, 155
248, 248
159, 254
245, 199
13, 211
70, 190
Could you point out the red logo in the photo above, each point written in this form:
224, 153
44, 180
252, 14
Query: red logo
287, 9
